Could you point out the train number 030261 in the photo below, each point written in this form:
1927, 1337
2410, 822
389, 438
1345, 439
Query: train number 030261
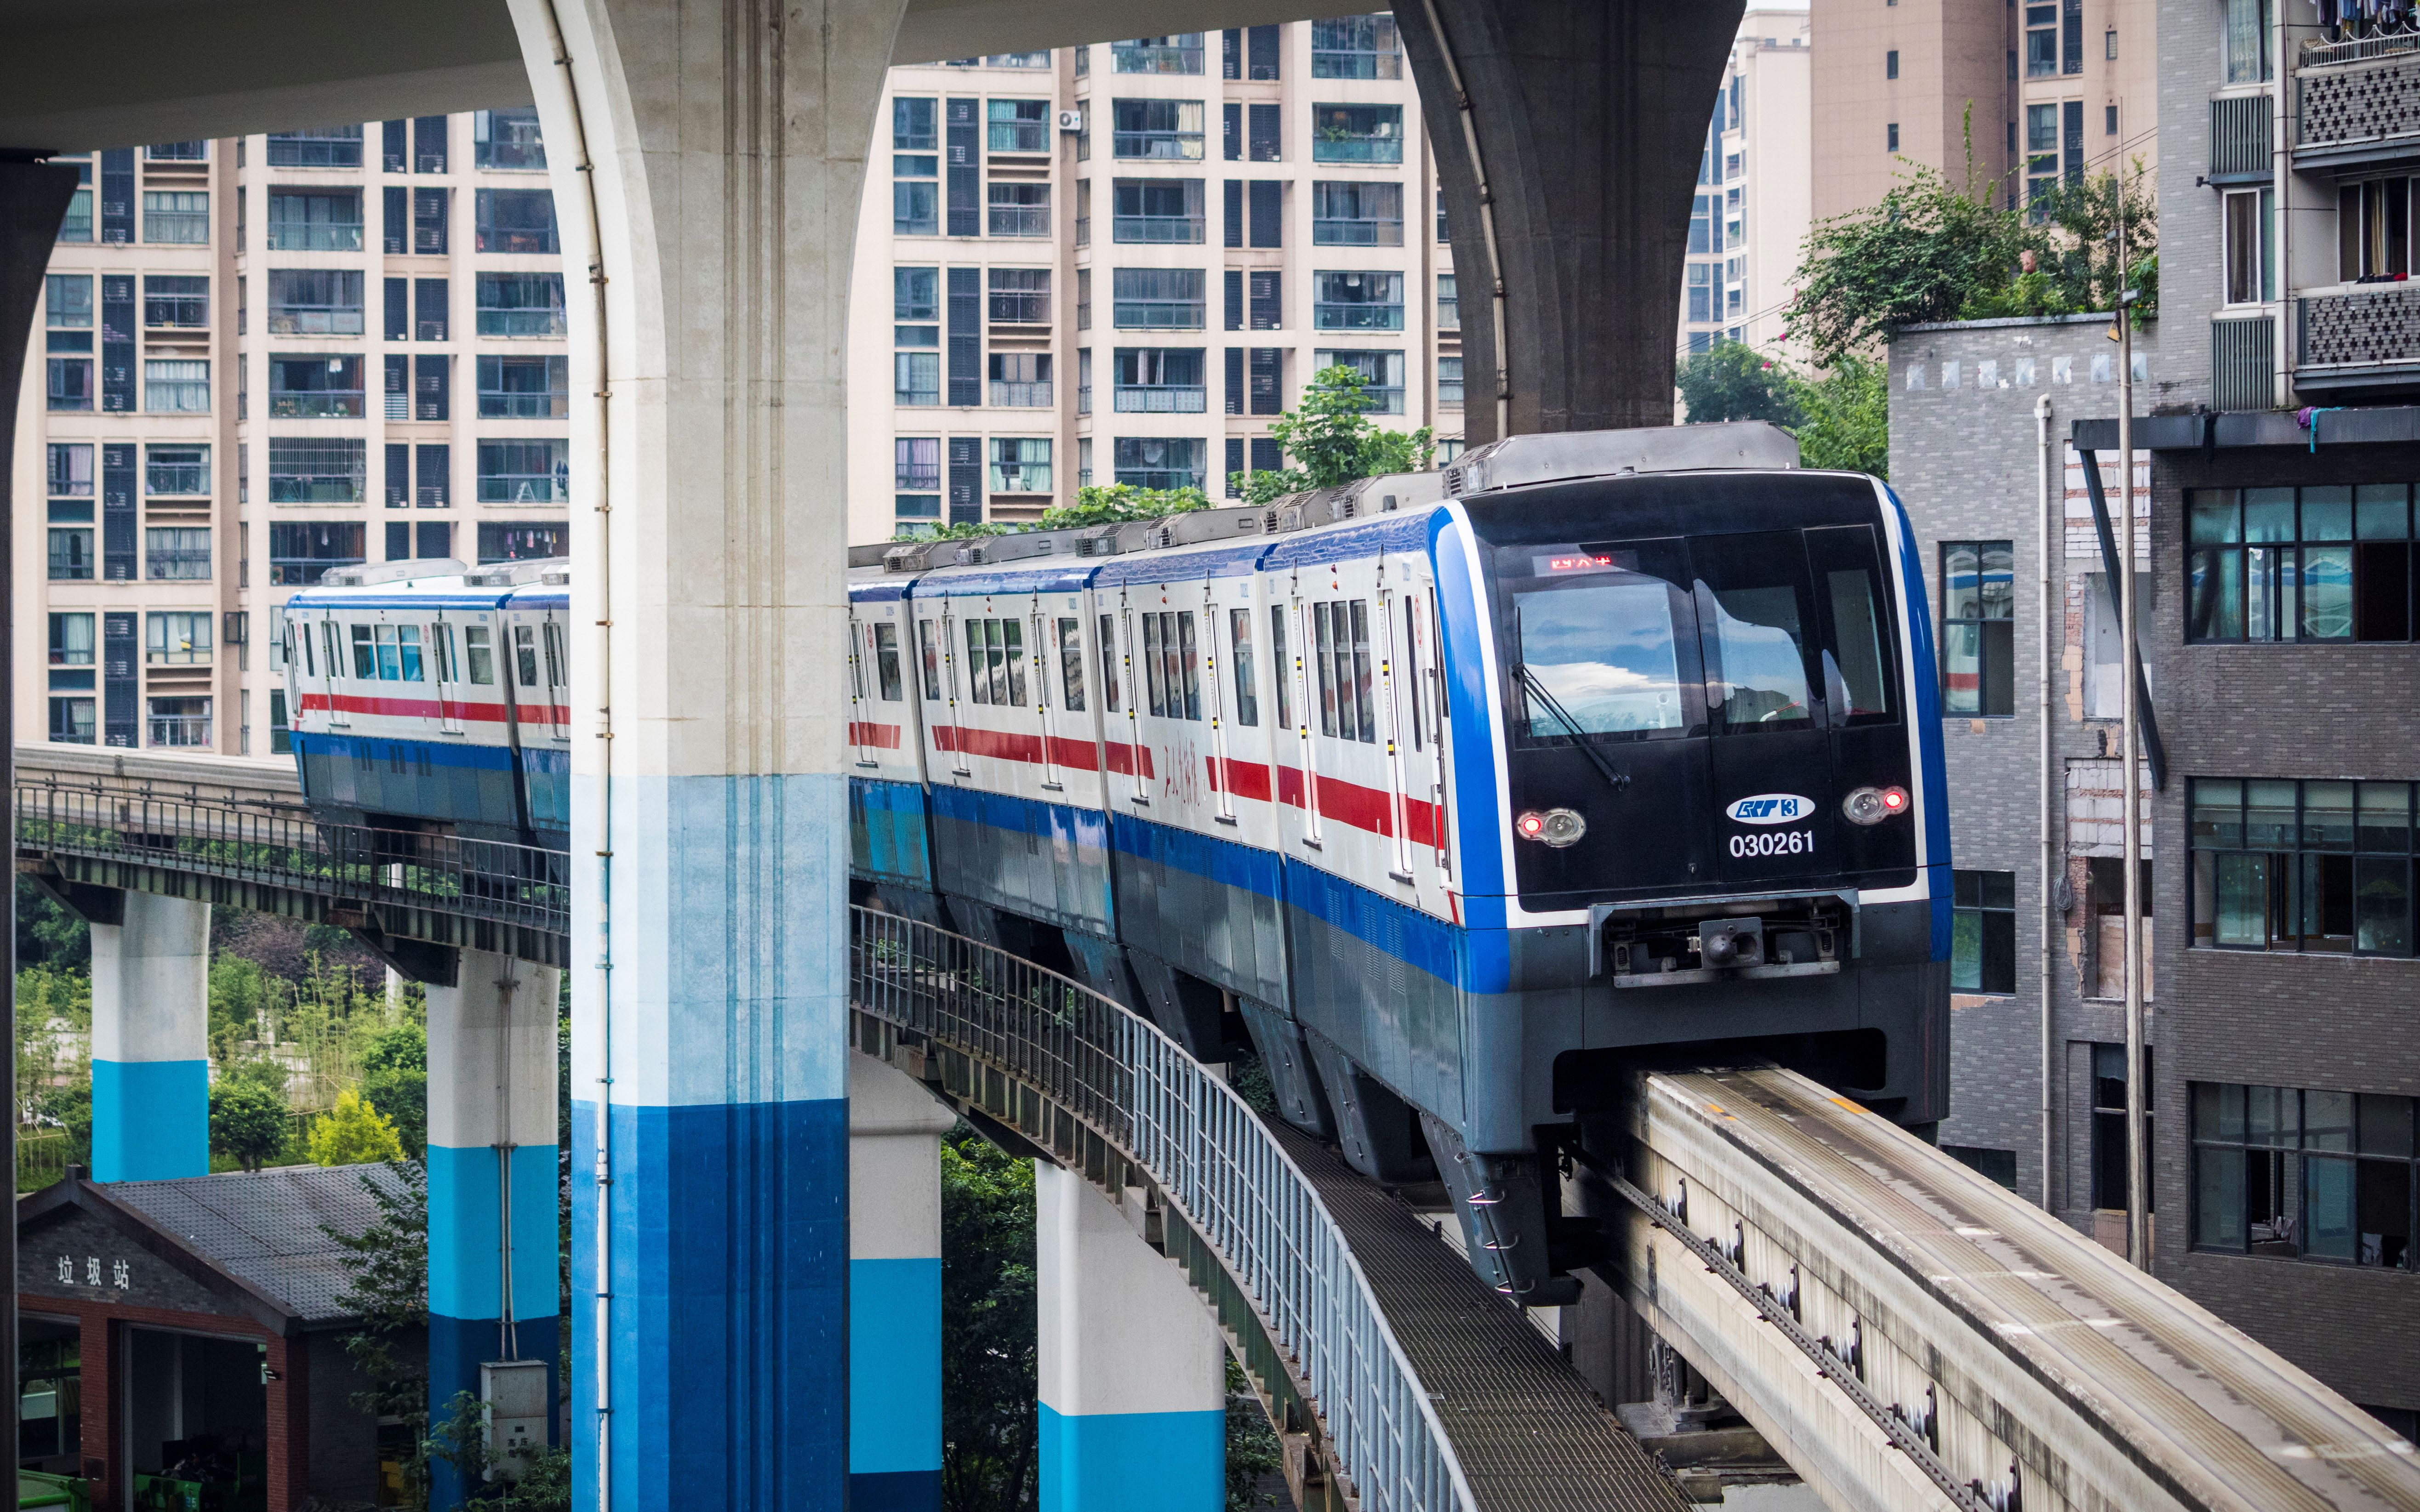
1773, 842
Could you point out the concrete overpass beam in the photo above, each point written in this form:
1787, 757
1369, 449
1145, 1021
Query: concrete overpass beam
894, 1290
709, 839
1585, 123
150, 1041
1133, 1371
493, 1292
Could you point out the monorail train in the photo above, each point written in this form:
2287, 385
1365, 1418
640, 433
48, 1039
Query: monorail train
1449, 795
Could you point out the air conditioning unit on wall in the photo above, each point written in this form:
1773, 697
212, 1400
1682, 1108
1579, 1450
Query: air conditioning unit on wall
1071, 120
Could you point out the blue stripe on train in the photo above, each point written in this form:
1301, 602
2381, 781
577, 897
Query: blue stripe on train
382, 749
1928, 726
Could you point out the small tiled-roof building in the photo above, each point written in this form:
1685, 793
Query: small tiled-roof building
190, 1329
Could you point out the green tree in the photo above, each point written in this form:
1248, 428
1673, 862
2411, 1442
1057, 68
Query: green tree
1253, 1454
1333, 441
394, 1081
1735, 381
353, 1134
542, 1484
386, 1269
1844, 416
48, 935
989, 1448
248, 1122
1115, 504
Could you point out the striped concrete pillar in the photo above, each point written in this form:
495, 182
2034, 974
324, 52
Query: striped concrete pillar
1132, 1369
894, 1290
707, 162
494, 1244
150, 1041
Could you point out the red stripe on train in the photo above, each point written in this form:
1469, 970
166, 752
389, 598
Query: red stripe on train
884, 736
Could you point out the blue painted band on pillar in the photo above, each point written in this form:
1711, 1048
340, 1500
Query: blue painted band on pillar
730, 1265
150, 1119
902, 1491
457, 1348
894, 1367
465, 1279
1102, 1461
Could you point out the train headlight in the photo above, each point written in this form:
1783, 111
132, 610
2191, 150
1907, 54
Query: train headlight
1871, 806
1557, 828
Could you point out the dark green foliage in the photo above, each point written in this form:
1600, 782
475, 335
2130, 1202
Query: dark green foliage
1253, 1455
388, 1290
1844, 416
1735, 381
544, 1484
249, 1122
394, 1081
48, 935
988, 1453
1333, 441
1114, 504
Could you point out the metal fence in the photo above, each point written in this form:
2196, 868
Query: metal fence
490, 880
1213, 1160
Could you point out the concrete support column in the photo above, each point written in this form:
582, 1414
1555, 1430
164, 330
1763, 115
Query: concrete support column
494, 1286
1589, 118
894, 1290
1132, 1369
707, 162
150, 1041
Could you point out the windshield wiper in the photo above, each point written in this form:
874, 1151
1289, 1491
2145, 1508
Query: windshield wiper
1554, 706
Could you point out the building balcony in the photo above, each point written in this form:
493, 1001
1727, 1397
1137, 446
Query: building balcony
1021, 396
2366, 339
1160, 399
1169, 230
2240, 139
2358, 103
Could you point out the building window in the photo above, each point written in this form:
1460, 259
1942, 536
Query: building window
524, 388
1160, 381
1449, 315
1381, 373
66, 301
179, 471
2109, 120
2250, 219
177, 386
1161, 462
2320, 564
177, 553
71, 721
1890, 64
916, 308
1018, 209
506, 141
1157, 298
524, 471
1356, 47
1168, 129
1983, 932
1358, 302
517, 221
1018, 60
311, 302
1018, 296
917, 480
915, 168
329, 146
281, 734
315, 386
524, 543
177, 637
1019, 380
2316, 866
71, 639
71, 546
2291, 1174
1357, 133
1978, 593
1162, 211
1020, 464
1448, 382
1177, 54
2247, 40
520, 304
2374, 230
176, 217
1355, 213
305, 220
1017, 125
1891, 143
316, 471
2109, 1183
2041, 40
301, 550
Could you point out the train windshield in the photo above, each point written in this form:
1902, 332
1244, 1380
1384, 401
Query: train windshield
1602, 653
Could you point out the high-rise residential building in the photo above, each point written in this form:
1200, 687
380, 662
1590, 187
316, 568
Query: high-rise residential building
1750, 215
2020, 94
1118, 263
265, 357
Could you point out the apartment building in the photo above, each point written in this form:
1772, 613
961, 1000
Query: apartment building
1067, 230
1750, 215
265, 357
2020, 94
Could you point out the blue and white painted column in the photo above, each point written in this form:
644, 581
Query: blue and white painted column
706, 163
894, 1290
1133, 1371
150, 1041
494, 1289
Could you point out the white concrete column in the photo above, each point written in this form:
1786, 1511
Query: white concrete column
493, 1292
1133, 1372
150, 1041
894, 1290
706, 163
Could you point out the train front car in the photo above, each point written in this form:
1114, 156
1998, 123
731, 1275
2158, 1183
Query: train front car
1703, 690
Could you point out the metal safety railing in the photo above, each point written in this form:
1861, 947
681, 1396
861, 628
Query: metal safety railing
1213, 1160
492, 880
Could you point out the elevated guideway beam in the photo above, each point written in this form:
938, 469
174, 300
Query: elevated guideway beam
1967, 1348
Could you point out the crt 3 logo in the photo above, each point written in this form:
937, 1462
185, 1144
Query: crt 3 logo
1770, 808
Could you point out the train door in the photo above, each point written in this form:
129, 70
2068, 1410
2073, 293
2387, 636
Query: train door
1307, 710
449, 675
333, 665
1764, 707
860, 727
1395, 700
1038, 642
558, 678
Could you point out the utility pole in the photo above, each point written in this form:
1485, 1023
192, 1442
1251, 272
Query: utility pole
2138, 1187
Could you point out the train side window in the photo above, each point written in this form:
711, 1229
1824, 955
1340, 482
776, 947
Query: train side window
440, 642
1248, 697
389, 667
479, 654
406, 640
932, 658
1860, 673
1172, 671
329, 641
1111, 695
978, 685
1321, 656
1411, 669
1011, 655
525, 654
364, 656
994, 667
1365, 728
1190, 661
886, 661
555, 660
302, 635
1284, 667
1152, 671
1071, 662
